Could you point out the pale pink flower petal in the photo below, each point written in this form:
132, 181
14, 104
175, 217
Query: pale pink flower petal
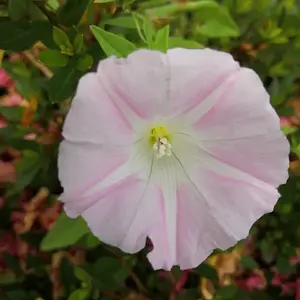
154, 84
122, 216
193, 231
94, 117
213, 211
88, 163
243, 130
195, 75
140, 81
92, 126
183, 148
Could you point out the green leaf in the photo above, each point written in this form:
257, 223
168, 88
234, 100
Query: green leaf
27, 87
248, 262
112, 44
227, 292
162, 39
11, 262
65, 232
71, 11
84, 277
207, 271
279, 70
145, 28
217, 29
149, 30
152, 3
84, 62
7, 278
62, 41
17, 69
12, 113
106, 266
60, 37
288, 130
174, 8
139, 21
17, 294
43, 31
176, 272
177, 8
67, 276
123, 21
242, 295
104, 1
278, 90
259, 295
18, 9
177, 42
53, 4
35, 13
283, 265
267, 249
79, 43
216, 21
62, 85
80, 294
244, 6
88, 241
109, 273
16, 36
27, 169
53, 58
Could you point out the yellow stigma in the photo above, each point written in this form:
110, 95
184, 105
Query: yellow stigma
160, 141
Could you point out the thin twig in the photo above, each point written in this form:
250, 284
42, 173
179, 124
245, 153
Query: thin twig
2, 52
38, 64
138, 282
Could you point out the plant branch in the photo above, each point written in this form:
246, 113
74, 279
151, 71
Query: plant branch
138, 282
48, 73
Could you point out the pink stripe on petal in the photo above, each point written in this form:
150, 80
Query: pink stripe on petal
78, 205
195, 74
160, 257
81, 166
93, 116
141, 80
123, 217
243, 130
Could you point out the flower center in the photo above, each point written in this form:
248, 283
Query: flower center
160, 141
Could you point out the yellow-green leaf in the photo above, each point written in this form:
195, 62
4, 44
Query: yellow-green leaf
112, 44
65, 232
53, 58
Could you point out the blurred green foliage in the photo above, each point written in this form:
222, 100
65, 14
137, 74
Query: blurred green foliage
65, 261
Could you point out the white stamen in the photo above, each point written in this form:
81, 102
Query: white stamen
162, 147
155, 147
164, 141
